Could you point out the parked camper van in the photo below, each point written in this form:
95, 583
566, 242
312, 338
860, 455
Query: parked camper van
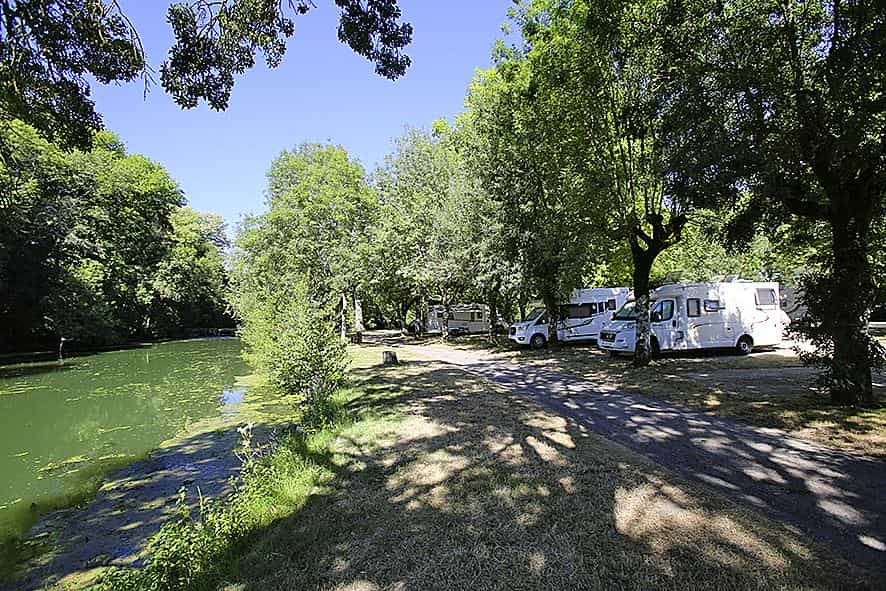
463, 319
588, 310
581, 318
686, 316
531, 331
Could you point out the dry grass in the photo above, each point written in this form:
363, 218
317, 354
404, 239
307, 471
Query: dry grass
448, 483
769, 389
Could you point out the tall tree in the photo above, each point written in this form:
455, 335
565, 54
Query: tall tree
603, 139
319, 208
50, 48
789, 99
525, 166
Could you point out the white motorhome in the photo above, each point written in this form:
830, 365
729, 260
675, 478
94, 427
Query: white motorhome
686, 316
463, 318
588, 310
582, 317
533, 330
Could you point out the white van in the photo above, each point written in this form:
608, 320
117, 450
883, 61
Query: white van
531, 331
687, 316
588, 311
463, 319
582, 317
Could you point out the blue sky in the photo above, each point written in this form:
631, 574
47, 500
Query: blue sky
322, 92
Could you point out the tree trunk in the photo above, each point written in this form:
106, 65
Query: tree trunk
444, 326
343, 325
851, 298
493, 311
552, 305
642, 267
358, 315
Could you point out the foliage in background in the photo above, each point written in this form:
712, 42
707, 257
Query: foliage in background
437, 236
191, 281
94, 246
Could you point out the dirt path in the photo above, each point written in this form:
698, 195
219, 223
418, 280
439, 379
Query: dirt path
835, 497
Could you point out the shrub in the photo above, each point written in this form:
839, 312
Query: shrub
289, 338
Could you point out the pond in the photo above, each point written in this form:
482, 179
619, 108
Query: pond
64, 425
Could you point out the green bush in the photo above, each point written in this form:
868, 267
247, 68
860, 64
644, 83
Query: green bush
289, 338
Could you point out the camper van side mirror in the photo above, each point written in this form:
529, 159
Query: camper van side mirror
612, 316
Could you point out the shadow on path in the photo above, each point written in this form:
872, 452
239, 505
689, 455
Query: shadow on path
838, 498
474, 489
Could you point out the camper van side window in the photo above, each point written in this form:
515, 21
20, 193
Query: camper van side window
693, 307
766, 297
712, 305
663, 311
610, 304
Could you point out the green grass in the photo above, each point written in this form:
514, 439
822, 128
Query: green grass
431, 479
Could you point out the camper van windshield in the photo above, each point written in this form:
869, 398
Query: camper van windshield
627, 312
536, 312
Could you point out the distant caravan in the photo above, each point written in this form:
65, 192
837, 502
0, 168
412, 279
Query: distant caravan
462, 319
581, 318
685, 316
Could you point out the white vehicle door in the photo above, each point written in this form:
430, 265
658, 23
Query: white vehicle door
577, 322
665, 323
767, 324
710, 323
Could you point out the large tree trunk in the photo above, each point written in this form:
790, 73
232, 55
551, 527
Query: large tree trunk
851, 298
552, 305
642, 268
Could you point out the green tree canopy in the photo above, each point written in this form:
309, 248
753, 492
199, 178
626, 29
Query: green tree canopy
94, 245
786, 100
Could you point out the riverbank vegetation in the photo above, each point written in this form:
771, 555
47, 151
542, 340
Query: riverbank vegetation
428, 478
97, 247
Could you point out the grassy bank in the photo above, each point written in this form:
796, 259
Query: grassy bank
426, 478
768, 389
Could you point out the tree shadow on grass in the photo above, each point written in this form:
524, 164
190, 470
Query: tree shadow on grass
480, 489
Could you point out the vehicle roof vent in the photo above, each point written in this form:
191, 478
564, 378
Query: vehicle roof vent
731, 278
673, 276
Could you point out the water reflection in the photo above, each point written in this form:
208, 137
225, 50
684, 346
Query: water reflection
230, 397
63, 426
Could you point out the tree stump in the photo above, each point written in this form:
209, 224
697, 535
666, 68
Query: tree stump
389, 358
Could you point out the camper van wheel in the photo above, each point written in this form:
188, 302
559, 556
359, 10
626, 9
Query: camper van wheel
745, 345
537, 341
